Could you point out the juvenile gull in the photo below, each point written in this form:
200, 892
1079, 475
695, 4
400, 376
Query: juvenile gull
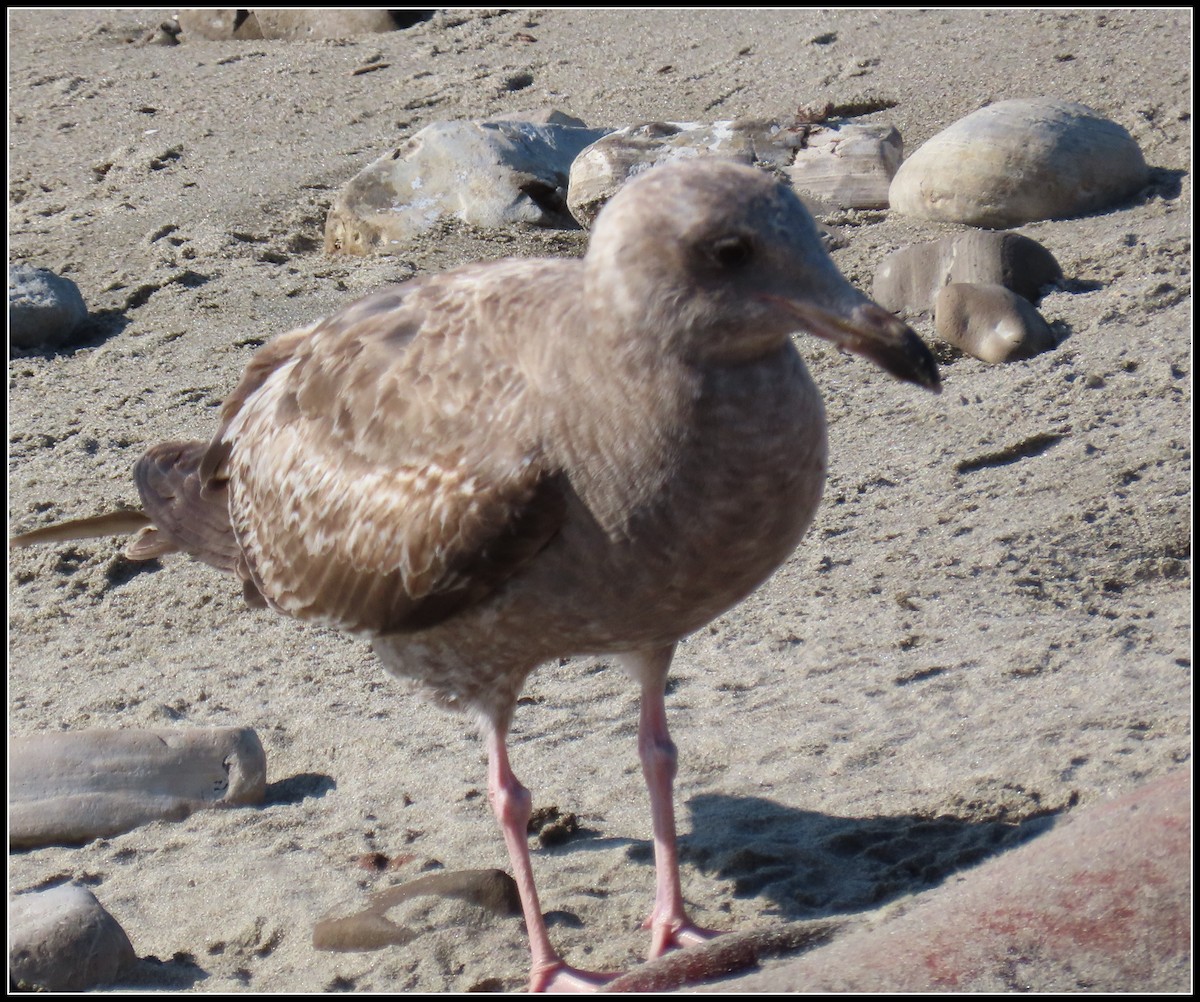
529, 459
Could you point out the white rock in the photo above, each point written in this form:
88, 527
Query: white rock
1019, 161
602, 169
490, 174
849, 165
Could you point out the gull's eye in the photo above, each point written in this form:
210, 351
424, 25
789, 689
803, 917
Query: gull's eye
732, 253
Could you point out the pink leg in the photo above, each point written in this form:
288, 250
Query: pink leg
669, 923
512, 805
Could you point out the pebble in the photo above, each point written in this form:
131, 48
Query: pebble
63, 940
44, 309
491, 174
1018, 161
991, 323
69, 787
909, 279
166, 34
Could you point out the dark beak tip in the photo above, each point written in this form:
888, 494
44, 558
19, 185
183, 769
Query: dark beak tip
922, 367
932, 378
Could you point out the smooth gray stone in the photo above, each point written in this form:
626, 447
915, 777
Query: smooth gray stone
909, 279
73, 786
991, 322
44, 309
540, 116
62, 940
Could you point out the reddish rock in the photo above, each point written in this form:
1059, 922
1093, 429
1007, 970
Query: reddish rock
1100, 903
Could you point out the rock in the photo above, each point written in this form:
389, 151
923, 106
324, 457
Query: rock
302, 22
1018, 161
219, 24
844, 165
991, 322
1100, 903
602, 169
849, 165
63, 940
167, 34
370, 929
216, 24
491, 174
44, 309
540, 116
909, 279
68, 787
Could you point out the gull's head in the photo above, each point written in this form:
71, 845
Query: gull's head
722, 263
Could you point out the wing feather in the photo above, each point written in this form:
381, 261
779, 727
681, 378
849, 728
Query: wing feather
384, 466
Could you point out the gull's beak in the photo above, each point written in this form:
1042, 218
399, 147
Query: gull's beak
874, 333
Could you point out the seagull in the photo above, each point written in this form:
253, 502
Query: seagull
513, 462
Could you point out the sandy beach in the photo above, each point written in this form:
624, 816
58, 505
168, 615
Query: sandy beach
989, 624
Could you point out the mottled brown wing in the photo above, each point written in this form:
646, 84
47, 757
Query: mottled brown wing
387, 473
276, 352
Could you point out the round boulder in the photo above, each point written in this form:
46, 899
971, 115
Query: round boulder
1018, 161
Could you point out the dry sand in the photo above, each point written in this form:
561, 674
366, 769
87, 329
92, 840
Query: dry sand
988, 623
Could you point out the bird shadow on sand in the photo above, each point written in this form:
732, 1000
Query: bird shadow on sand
812, 865
1166, 182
